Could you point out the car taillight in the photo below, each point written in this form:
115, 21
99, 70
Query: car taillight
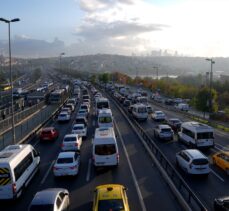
62, 145
14, 187
55, 168
72, 167
76, 144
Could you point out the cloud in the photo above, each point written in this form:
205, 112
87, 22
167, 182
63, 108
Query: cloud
22, 46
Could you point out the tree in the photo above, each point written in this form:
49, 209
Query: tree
202, 100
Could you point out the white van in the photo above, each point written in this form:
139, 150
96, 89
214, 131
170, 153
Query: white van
105, 118
196, 134
101, 103
182, 106
142, 100
18, 165
105, 148
140, 112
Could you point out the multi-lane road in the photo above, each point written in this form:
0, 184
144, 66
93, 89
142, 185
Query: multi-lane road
146, 188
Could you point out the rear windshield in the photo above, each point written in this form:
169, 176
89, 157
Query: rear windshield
64, 160
46, 132
166, 130
105, 119
200, 161
80, 121
105, 149
142, 110
205, 135
78, 128
39, 207
101, 105
85, 97
111, 204
83, 107
69, 139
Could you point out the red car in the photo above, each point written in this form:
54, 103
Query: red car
49, 134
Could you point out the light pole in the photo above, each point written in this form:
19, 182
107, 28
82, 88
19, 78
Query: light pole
11, 77
211, 77
62, 54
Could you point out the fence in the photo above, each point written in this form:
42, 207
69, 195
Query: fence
18, 117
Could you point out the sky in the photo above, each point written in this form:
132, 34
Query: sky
79, 27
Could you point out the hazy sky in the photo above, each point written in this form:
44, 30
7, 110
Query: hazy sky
48, 27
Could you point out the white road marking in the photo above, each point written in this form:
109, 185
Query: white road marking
132, 171
219, 177
47, 172
218, 146
88, 170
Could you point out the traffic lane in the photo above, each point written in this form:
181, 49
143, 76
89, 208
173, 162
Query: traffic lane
48, 153
205, 188
81, 188
221, 137
152, 185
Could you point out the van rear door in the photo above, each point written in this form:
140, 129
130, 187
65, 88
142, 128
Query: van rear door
6, 191
105, 154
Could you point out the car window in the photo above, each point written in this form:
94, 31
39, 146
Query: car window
62, 195
58, 202
111, 204
105, 149
70, 139
200, 161
166, 130
64, 160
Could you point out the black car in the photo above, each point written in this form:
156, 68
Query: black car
126, 103
221, 204
169, 102
81, 120
175, 124
130, 108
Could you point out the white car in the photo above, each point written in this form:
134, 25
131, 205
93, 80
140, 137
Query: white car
79, 129
66, 164
84, 107
163, 132
63, 116
71, 106
66, 109
192, 161
158, 116
71, 142
83, 113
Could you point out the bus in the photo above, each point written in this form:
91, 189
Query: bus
57, 96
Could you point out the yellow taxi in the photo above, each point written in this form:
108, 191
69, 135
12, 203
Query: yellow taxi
110, 197
221, 159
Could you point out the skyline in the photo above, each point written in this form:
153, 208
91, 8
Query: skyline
80, 27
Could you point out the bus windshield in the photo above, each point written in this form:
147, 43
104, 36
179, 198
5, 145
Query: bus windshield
205, 135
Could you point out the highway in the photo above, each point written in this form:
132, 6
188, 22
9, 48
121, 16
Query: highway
146, 188
207, 189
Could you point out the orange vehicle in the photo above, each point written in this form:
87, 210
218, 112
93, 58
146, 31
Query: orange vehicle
221, 159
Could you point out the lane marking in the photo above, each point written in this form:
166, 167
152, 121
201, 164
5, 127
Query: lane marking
47, 172
223, 147
219, 177
131, 170
88, 170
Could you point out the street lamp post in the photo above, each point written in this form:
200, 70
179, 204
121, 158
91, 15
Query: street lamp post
211, 77
60, 58
11, 77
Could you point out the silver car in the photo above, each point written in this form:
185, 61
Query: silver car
52, 199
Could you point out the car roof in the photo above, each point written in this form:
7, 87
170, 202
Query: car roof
71, 135
75, 125
66, 154
47, 128
47, 196
164, 126
194, 153
109, 191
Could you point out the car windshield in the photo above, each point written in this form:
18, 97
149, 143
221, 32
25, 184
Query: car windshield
64, 160
43, 207
63, 114
82, 111
105, 119
101, 105
69, 139
166, 130
205, 135
80, 121
142, 110
111, 205
105, 149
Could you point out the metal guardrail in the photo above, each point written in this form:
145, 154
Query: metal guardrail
19, 116
188, 195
